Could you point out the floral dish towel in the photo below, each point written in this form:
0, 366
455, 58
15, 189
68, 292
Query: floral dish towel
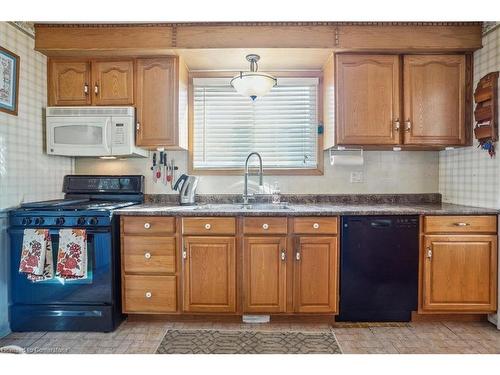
72, 254
36, 255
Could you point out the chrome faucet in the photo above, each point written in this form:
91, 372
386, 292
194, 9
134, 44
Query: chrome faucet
247, 196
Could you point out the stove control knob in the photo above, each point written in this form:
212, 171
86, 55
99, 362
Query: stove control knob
81, 221
26, 221
39, 221
93, 221
60, 221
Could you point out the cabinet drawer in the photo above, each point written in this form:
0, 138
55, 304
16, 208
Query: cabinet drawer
149, 254
315, 225
208, 225
148, 225
150, 294
265, 225
460, 224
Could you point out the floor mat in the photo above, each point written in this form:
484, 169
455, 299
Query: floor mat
247, 342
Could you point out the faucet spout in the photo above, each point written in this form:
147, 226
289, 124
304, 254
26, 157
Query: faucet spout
247, 196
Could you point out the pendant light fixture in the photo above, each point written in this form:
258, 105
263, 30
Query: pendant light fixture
253, 83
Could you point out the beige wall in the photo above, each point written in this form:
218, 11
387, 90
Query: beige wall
383, 172
468, 175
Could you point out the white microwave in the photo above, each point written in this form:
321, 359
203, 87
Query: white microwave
92, 131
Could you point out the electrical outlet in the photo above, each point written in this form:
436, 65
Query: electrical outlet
356, 177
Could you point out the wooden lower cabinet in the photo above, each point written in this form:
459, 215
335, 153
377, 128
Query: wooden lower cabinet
209, 274
316, 275
459, 273
264, 274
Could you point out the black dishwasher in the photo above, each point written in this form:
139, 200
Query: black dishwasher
378, 268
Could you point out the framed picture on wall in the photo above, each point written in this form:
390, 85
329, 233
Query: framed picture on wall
9, 81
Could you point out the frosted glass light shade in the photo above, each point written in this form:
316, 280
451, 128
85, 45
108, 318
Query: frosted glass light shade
253, 84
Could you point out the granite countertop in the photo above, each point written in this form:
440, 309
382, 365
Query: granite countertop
303, 209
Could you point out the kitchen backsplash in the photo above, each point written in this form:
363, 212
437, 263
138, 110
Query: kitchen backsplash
468, 175
383, 172
27, 173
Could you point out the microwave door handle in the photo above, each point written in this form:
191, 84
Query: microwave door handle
108, 136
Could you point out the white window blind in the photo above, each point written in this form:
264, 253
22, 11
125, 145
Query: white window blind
281, 126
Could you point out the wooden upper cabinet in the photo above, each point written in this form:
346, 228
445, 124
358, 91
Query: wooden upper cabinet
68, 82
161, 101
113, 82
209, 274
459, 273
316, 275
367, 99
434, 100
264, 274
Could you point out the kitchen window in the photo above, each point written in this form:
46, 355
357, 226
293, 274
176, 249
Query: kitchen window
282, 126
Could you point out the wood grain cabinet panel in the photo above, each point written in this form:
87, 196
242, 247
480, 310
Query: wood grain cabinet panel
460, 224
207, 226
209, 272
265, 225
148, 254
149, 294
68, 82
434, 99
113, 82
459, 273
315, 225
264, 274
367, 99
148, 225
157, 101
316, 275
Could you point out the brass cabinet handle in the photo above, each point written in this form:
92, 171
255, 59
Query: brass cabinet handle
297, 255
407, 125
283, 254
138, 126
461, 224
96, 89
184, 254
397, 125
86, 89
429, 253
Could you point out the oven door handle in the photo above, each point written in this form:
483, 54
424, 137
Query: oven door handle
56, 231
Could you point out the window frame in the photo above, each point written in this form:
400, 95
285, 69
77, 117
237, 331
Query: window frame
318, 171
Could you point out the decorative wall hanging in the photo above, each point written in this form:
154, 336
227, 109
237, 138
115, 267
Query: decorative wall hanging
9, 81
486, 112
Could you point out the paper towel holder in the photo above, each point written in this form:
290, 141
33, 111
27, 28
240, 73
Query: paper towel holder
341, 155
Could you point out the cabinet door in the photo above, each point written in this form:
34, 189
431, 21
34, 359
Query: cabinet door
113, 82
434, 100
209, 274
459, 273
264, 274
367, 98
316, 275
156, 103
68, 82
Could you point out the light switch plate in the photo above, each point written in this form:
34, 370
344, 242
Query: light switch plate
356, 177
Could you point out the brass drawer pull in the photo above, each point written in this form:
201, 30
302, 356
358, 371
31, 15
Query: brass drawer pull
148, 295
147, 255
316, 226
283, 254
147, 225
208, 226
461, 224
265, 226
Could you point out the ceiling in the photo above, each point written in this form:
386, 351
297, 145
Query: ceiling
271, 59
